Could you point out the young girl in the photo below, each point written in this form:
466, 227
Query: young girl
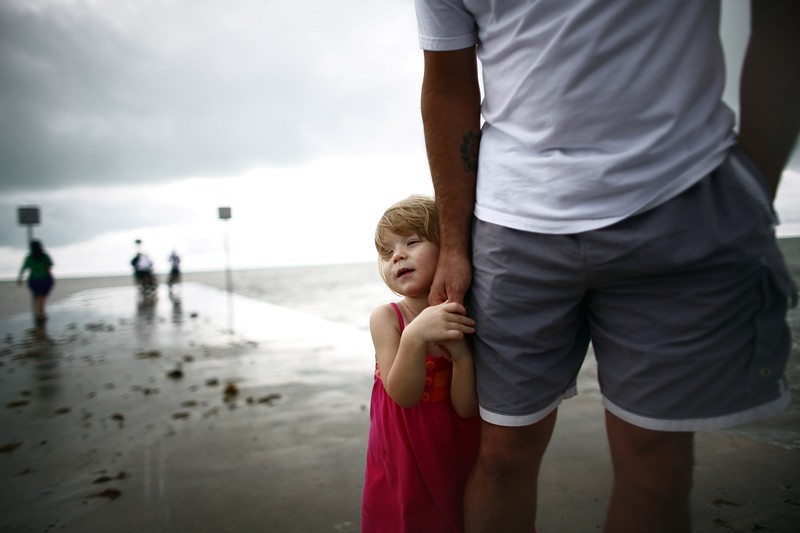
424, 428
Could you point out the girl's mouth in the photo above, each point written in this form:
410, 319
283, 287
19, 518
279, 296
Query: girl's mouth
403, 271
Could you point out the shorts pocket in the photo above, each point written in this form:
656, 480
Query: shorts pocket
749, 176
772, 341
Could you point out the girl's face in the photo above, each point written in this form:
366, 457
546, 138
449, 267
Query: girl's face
409, 265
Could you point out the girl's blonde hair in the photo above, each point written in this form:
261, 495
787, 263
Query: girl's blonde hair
414, 215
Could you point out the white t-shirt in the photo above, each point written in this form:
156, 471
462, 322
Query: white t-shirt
594, 110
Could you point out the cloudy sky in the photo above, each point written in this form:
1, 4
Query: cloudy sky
127, 120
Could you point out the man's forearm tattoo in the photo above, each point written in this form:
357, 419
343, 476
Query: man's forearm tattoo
469, 151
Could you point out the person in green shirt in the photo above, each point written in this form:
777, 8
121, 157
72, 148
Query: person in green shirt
40, 278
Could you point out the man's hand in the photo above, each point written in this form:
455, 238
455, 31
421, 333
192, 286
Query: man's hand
452, 280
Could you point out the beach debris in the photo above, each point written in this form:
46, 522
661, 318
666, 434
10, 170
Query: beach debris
213, 382
181, 415
190, 403
211, 412
26, 472
98, 326
722, 523
268, 399
110, 493
147, 391
148, 354
9, 338
188, 358
757, 527
721, 502
175, 373
10, 446
63, 410
118, 417
17, 403
105, 479
193, 314
231, 392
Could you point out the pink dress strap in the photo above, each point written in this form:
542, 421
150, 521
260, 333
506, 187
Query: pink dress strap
399, 314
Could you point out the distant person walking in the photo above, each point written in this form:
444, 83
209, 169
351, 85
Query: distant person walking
143, 274
40, 277
142, 267
175, 269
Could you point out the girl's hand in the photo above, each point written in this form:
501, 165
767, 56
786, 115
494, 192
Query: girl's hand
457, 350
439, 324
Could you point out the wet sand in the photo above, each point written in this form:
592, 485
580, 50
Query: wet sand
116, 418
158, 418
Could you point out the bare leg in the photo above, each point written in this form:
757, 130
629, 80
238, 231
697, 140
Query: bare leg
38, 305
652, 479
501, 491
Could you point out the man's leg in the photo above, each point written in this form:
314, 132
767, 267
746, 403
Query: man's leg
501, 492
652, 479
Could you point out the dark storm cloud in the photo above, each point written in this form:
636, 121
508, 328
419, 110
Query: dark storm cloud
110, 92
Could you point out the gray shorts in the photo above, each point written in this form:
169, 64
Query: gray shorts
685, 306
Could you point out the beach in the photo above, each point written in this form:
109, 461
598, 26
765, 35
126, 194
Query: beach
248, 410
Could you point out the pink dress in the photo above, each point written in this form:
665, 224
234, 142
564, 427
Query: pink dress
418, 458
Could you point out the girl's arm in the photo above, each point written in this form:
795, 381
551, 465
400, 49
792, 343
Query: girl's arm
401, 361
401, 358
463, 395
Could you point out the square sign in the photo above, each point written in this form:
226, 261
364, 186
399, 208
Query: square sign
28, 215
224, 213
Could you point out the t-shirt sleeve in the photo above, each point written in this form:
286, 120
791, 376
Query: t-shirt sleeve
445, 25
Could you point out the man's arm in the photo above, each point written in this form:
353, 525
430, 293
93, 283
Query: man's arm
770, 87
451, 104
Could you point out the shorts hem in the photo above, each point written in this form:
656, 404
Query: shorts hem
528, 419
704, 424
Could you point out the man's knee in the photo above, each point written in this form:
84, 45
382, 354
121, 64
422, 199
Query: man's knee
654, 461
506, 452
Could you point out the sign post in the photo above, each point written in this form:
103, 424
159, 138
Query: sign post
28, 215
225, 215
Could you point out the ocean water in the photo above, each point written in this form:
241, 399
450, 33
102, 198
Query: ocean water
341, 293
